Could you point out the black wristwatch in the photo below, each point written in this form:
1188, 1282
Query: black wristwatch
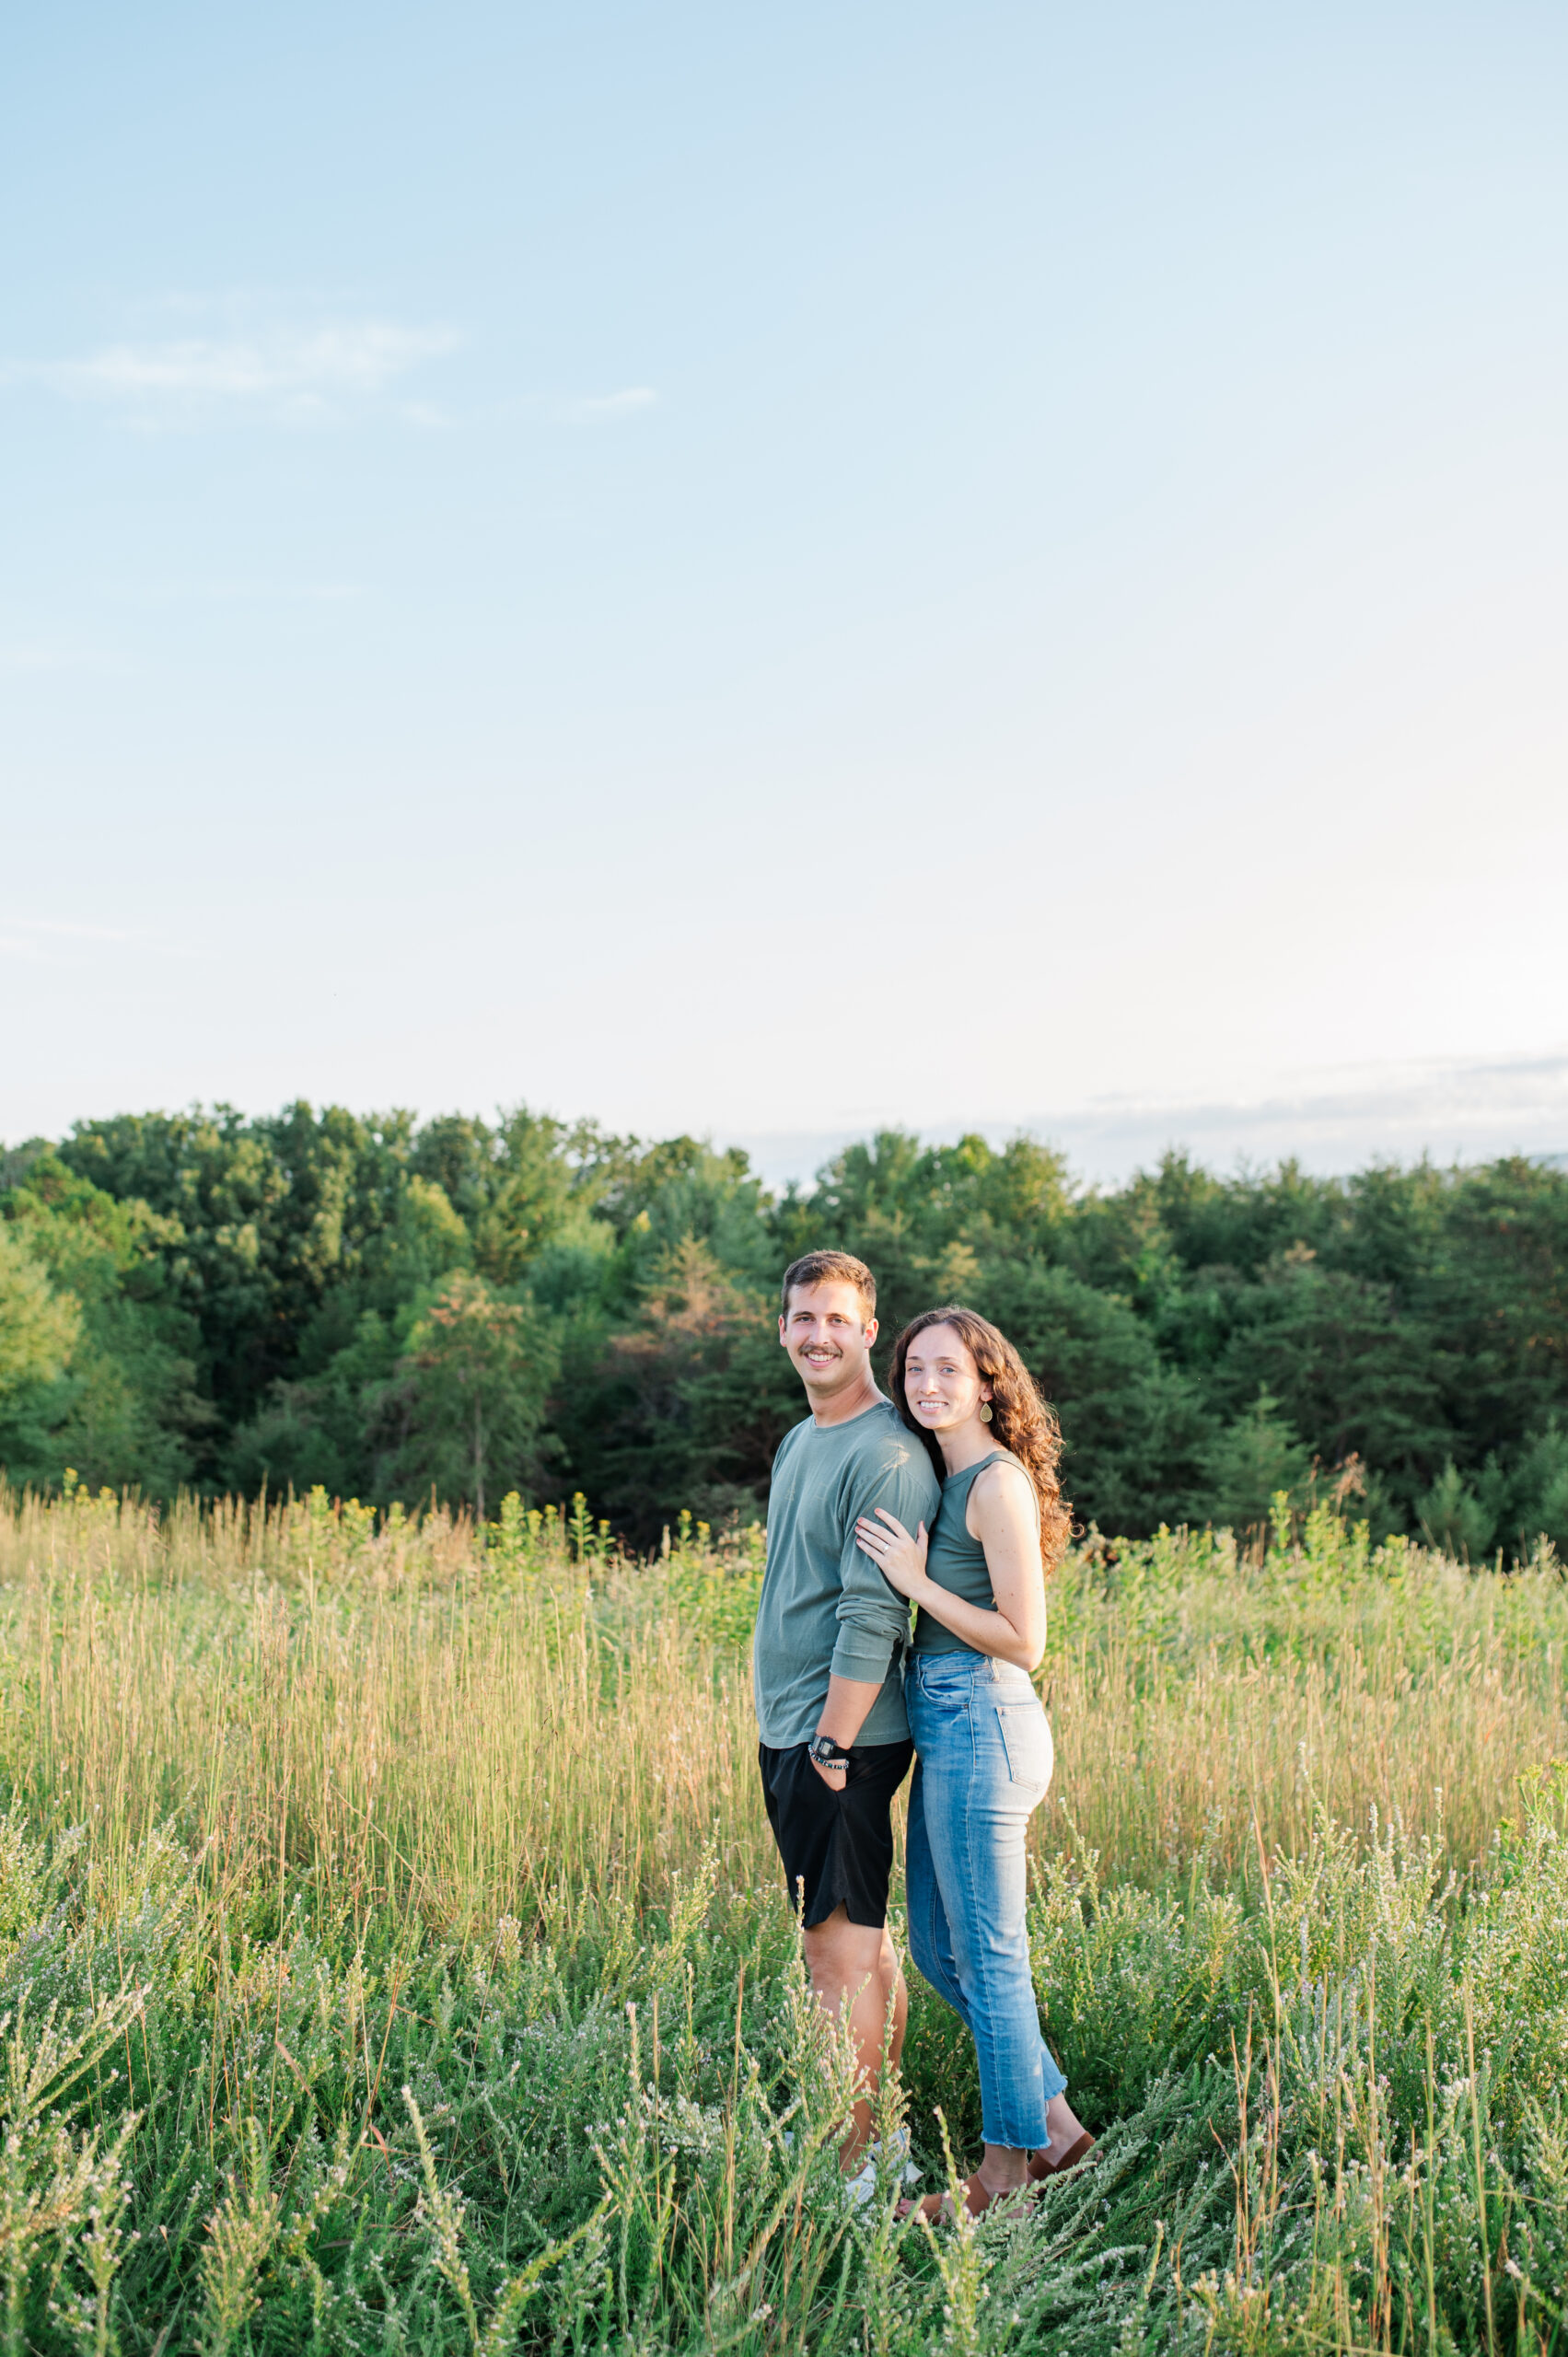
823, 1752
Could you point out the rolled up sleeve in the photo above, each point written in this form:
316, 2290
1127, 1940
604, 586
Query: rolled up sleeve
874, 1618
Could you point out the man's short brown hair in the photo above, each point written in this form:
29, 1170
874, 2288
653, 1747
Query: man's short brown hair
830, 1268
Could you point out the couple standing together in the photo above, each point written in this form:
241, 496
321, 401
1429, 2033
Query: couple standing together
945, 1496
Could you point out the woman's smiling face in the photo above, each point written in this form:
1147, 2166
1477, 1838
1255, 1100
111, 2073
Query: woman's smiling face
942, 1383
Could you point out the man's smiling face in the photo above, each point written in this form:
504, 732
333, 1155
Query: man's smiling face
829, 1337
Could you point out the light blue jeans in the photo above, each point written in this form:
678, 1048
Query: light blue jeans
986, 1757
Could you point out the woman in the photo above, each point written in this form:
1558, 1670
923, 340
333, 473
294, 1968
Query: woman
984, 1744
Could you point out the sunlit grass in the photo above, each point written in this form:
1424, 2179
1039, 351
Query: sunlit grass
360, 1806
454, 1728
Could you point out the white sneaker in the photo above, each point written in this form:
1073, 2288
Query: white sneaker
861, 2188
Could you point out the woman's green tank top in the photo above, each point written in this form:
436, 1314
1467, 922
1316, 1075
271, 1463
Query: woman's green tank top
955, 1561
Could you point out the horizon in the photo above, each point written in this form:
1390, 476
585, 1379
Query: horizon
1451, 1115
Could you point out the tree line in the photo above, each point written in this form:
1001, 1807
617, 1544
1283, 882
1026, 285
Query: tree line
392, 1310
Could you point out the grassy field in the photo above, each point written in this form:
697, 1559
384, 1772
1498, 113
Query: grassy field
393, 1955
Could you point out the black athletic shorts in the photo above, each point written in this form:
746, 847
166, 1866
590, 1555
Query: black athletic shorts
839, 1845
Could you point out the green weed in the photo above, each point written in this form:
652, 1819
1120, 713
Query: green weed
392, 1958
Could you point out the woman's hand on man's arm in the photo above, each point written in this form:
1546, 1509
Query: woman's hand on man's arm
899, 1558
1007, 1529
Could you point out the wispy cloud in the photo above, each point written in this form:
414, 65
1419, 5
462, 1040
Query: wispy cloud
67, 927
42, 941
623, 404
233, 592
42, 658
292, 372
64, 941
222, 590
1328, 1120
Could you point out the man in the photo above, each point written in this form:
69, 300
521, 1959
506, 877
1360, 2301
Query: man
828, 1654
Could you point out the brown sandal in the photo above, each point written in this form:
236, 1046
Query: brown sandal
935, 2208
1077, 2153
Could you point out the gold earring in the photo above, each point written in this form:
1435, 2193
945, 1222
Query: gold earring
986, 1412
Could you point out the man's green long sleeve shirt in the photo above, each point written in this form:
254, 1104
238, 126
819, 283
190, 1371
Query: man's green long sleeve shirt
825, 1606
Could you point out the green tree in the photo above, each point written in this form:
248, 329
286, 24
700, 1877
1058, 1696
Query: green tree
1455, 1517
268, 1220
246, 1293
1348, 1367
1132, 1428
124, 1410
37, 1328
1541, 1489
686, 1404
468, 1404
1251, 1461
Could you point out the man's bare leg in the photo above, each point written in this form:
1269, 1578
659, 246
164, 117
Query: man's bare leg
855, 1963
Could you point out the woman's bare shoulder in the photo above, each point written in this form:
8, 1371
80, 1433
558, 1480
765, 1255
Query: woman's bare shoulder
1000, 1490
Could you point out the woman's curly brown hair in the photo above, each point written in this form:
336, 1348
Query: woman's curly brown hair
1021, 1422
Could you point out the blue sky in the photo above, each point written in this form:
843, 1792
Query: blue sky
765, 571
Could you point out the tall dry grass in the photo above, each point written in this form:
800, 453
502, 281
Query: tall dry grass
1202, 1697
459, 1728
392, 1956
402, 1718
